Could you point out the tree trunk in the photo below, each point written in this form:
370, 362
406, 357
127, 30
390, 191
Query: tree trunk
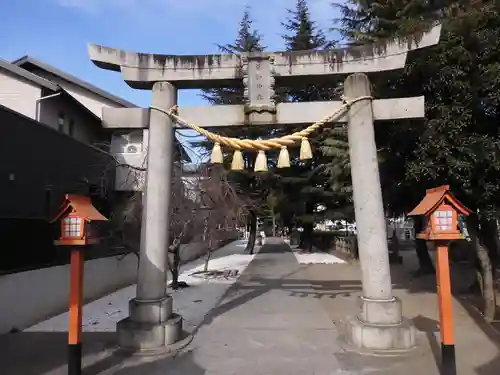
209, 250
307, 236
424, 259
486, 280
207, 258
287, 223
489, 237
274, 224
253, 232
175, 266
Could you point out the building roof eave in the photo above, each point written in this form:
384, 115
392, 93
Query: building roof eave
27, 75
28, 60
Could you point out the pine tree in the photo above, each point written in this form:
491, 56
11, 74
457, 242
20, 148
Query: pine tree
311, 182
247, 40
457, 143
305, 35
364, 21
255, 184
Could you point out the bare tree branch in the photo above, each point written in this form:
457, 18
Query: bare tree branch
205, 207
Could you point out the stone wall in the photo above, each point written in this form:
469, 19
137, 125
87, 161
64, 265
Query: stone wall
33, 296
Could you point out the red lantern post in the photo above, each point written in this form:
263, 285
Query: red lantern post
441, 209
76, 215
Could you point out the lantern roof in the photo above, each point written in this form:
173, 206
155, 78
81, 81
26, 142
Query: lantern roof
81, 206
434, 198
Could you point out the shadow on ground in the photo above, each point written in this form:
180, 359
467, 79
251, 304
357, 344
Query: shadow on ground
44, 353
182, 363
296, 282
37, 353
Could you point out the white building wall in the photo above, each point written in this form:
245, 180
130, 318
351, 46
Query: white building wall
86, 128
128, 178
92, 101
18, 94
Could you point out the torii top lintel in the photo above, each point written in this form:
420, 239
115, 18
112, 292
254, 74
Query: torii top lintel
141, 70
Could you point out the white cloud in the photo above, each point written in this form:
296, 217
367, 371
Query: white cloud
321, 9
267, 14
210, 13
266, 9
95, 6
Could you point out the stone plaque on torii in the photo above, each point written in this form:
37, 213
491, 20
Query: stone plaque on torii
151, 324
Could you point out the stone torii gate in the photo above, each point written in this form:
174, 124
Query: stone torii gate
151, 324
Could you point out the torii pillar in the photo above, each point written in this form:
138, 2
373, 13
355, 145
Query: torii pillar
152, 326
379, 325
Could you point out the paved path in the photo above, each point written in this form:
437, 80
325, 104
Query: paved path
266, 323
265, 326
276, 319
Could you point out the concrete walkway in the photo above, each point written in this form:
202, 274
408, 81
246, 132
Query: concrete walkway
265, 326
41, 349
279, 317
266, 323
337, 288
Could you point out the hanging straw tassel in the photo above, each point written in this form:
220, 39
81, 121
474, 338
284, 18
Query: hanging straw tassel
305, 149
261, 162
284, 158
217, 157
238, 163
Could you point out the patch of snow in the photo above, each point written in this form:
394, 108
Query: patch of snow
317, 258
193, 303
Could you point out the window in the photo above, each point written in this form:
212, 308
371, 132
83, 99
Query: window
60, 122
443, 219
71, 127
72, 227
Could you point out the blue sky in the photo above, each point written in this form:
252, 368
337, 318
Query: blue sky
57, 31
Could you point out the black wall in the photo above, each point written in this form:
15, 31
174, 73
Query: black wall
38, 165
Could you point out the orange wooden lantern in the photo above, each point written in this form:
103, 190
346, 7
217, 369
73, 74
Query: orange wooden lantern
76, 215
441, 210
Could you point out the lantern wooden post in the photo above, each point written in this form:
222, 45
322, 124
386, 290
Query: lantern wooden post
75, 312
441, 210
76, 215
445, 304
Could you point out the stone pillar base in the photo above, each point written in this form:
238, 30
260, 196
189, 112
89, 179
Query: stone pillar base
379, 328
379, 339
151, 328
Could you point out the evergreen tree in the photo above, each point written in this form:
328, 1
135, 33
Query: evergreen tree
457, 143
305, 35
311, 182
255, 184
247, 40
370, 21
364, 21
